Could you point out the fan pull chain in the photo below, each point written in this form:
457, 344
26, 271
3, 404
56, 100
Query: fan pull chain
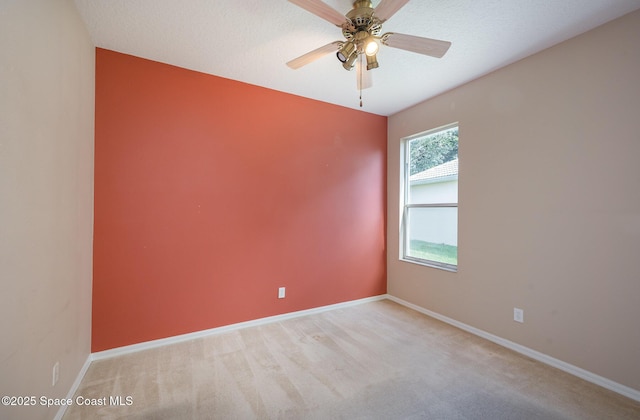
360, 77
360, 86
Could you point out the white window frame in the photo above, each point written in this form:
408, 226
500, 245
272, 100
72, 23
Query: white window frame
405, 206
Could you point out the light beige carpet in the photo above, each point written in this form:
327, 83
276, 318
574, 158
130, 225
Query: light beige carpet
376, 360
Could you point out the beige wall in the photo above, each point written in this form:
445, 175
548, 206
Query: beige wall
46, 198
549, 196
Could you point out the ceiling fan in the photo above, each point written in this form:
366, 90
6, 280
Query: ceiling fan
361, 28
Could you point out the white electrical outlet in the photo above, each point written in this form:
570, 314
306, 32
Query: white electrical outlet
281, 293
518, 315
55, 374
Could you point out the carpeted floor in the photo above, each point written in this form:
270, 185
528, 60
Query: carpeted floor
376, 360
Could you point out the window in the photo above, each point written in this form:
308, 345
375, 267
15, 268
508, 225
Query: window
430, 198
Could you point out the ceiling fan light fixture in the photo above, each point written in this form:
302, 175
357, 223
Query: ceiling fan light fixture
343, 54
371, 47
348, 65
372, 62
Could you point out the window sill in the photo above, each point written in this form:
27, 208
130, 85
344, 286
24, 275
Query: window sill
425, 263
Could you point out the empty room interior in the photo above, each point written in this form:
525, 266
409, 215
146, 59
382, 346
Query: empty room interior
206, 213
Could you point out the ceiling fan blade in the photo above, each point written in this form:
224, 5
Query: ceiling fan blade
388, 8
363, 76
312, 56
426, 46
321, 9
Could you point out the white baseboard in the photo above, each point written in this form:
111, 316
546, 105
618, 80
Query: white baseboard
536, 355
74, 388
106, 354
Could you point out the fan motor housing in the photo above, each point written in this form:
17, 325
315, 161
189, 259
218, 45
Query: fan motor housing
361, 18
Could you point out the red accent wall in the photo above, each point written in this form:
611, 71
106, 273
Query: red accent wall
211, 193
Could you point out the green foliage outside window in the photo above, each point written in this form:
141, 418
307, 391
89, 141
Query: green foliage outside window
433, 150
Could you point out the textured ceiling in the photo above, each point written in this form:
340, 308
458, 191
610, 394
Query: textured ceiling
251, 40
